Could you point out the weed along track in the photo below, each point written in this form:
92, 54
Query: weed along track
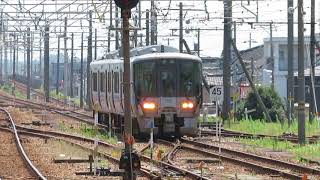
257, 163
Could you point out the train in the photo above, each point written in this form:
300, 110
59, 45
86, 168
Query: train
166, 91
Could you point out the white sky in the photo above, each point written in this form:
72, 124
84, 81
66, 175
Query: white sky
211, 42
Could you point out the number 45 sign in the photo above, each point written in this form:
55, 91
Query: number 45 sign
216, 93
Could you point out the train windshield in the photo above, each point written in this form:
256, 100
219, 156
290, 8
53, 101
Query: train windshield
145, 79
189, 74
167, 78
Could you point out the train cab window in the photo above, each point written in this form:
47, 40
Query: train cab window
102, 82
95, 81
116, 82
145, 78
189, 78
109, 81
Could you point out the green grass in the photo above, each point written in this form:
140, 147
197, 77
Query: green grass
309, 151
8, 89
210, 118
89, 132
262, 127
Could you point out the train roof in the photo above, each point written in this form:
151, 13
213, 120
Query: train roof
159, 56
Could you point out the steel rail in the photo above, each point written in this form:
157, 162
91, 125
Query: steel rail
235, 153
145, 158
34, 170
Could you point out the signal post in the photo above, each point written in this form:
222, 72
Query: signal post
127, 157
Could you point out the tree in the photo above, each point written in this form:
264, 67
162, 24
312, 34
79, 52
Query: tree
271, 100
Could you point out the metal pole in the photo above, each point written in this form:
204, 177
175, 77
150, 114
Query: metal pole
2, 31
81, 73
198, 42
227, 59
147, 28
89, 59
71, 68
250, 40
272, 56
66, 68
46, 63
109, 30
301, 80
180, 27
152, 23
58, 67
28, 63
312, 61
117, 24
5, 66
15, 38
126, 85
290, 92
235, 32
40, 56
95, 44
136, 32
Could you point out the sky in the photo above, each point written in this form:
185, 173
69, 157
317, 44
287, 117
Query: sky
197, 14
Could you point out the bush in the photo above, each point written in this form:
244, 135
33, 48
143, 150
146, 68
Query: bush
271, 100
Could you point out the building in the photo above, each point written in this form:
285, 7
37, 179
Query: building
280, 49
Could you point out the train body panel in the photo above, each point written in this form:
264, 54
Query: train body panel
165, 91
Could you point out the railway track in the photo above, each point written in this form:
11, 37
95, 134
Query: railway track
22, 87
258, 163
285, 137
159, 167
34, 172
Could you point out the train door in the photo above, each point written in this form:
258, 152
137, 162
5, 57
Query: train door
94, 85
110, 100
116, 88
102, 96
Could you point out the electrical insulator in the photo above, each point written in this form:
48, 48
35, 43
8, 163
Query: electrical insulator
126, 4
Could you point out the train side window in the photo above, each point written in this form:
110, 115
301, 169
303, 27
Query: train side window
95, 80
116, 82
102, 81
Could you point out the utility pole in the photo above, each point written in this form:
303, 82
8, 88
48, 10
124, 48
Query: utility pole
66, 68
15, 39
147, 28
180, 28
40, 58
71, 67
109, 30
4, 42
95, 44
198, 42
301, 80
117, 24
152, 23
126, 86
58, 67
250, 40
272, 56
5, 66
136, 32
312, 59
235, 32
28, 63
81, 73
46, 62
227, 59
89, 59
290, 91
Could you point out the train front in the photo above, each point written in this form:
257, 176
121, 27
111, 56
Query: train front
168, 92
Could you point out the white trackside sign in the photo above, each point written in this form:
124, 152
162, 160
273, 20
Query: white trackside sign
216, 93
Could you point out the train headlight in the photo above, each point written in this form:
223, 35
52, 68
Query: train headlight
149, 105
187, 105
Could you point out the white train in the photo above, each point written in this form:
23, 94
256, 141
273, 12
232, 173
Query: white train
166, 90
